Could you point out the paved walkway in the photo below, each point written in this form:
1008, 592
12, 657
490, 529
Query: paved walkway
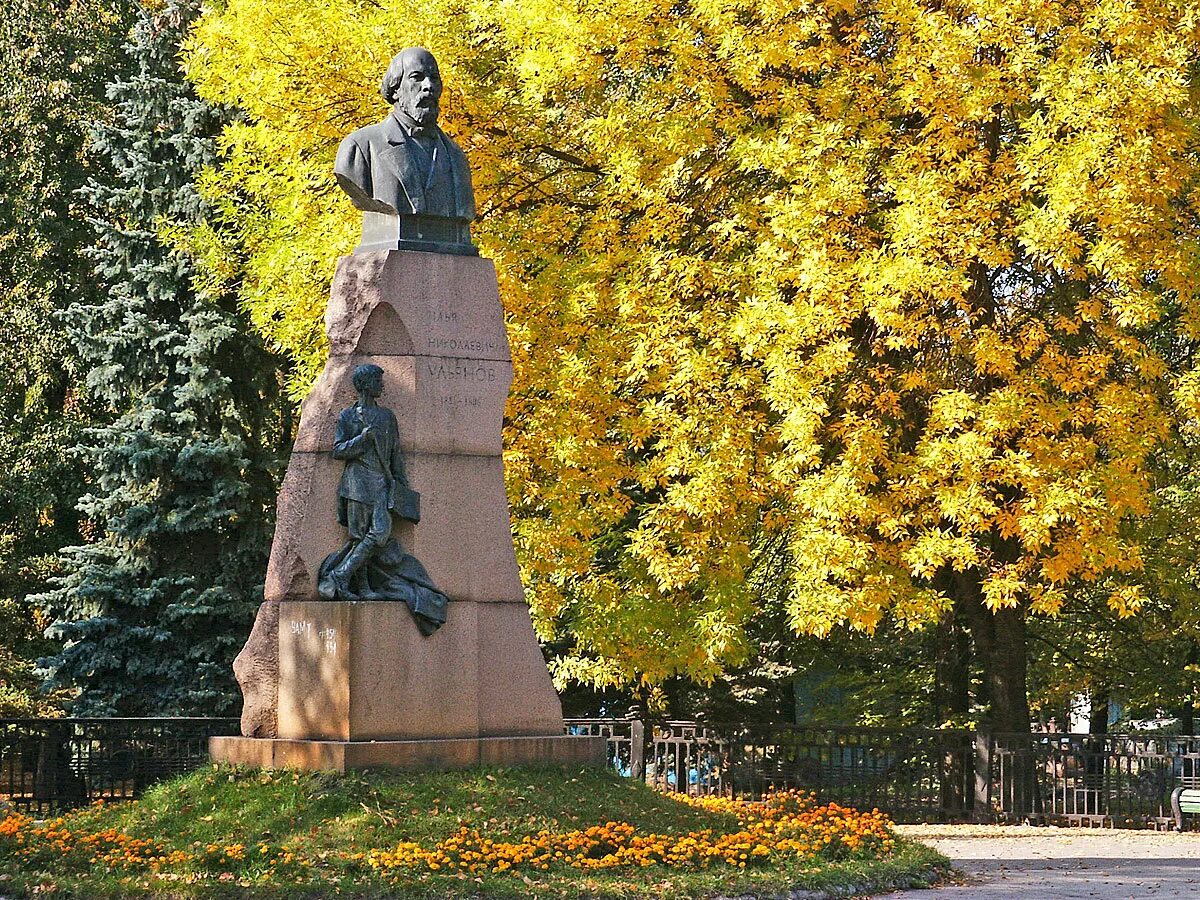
1010, 862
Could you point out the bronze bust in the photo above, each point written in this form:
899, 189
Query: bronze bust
405, 173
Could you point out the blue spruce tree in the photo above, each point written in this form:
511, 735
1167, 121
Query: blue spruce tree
151, 611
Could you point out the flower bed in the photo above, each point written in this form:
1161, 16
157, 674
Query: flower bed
788, 823
784, 824
502, 834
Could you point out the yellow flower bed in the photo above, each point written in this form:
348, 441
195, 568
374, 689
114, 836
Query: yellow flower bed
108, 848
785, 823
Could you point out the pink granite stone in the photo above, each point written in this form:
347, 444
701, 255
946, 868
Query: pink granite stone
509, 656
436, 755
257, 672
464, 539
358, 671
449, 305
434, 324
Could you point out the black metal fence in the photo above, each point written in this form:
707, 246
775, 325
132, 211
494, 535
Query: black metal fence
916, 775
912, 774
49, 764
1091, 779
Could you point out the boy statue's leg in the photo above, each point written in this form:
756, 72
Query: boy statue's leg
370, 526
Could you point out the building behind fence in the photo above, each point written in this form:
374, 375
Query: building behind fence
913, 774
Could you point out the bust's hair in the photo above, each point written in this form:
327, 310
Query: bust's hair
395, 74
365, 373
392, 78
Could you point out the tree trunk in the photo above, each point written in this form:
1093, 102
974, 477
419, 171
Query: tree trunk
1095, 761
952, 701
1098, 715
999, 639
1000, 648
952, 671
1187, 716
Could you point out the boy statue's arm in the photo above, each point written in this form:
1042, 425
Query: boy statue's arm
349, 442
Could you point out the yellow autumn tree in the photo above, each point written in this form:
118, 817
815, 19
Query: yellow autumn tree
889, 278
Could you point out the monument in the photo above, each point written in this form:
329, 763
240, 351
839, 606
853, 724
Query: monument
394, 631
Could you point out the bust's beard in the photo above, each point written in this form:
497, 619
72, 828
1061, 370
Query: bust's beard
425, 116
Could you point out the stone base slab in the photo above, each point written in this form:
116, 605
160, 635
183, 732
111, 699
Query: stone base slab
361, 671
428, 755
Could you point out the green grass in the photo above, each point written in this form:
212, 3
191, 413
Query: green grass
323, 820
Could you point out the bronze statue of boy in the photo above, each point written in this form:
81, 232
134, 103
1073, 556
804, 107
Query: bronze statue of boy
371, 565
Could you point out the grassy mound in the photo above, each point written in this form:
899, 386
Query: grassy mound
224, 832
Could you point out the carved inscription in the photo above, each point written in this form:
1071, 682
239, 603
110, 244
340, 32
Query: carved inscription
301, 627
466, 371
461, 384
329, 636
462, 343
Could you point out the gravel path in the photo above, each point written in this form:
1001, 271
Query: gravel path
1010, 862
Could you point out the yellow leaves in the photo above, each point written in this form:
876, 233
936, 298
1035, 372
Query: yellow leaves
756, 268
936, 548
918, 607
950, 410
995, 356
1187, 395
1046, 600
1125, 601
1003, 588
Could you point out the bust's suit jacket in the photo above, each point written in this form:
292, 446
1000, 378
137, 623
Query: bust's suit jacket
381, 173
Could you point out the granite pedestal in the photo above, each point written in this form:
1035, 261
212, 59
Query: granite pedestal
354, 684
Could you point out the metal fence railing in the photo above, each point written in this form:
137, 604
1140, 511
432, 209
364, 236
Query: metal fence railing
912, 774
49, 764
1093, 779
626, 742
